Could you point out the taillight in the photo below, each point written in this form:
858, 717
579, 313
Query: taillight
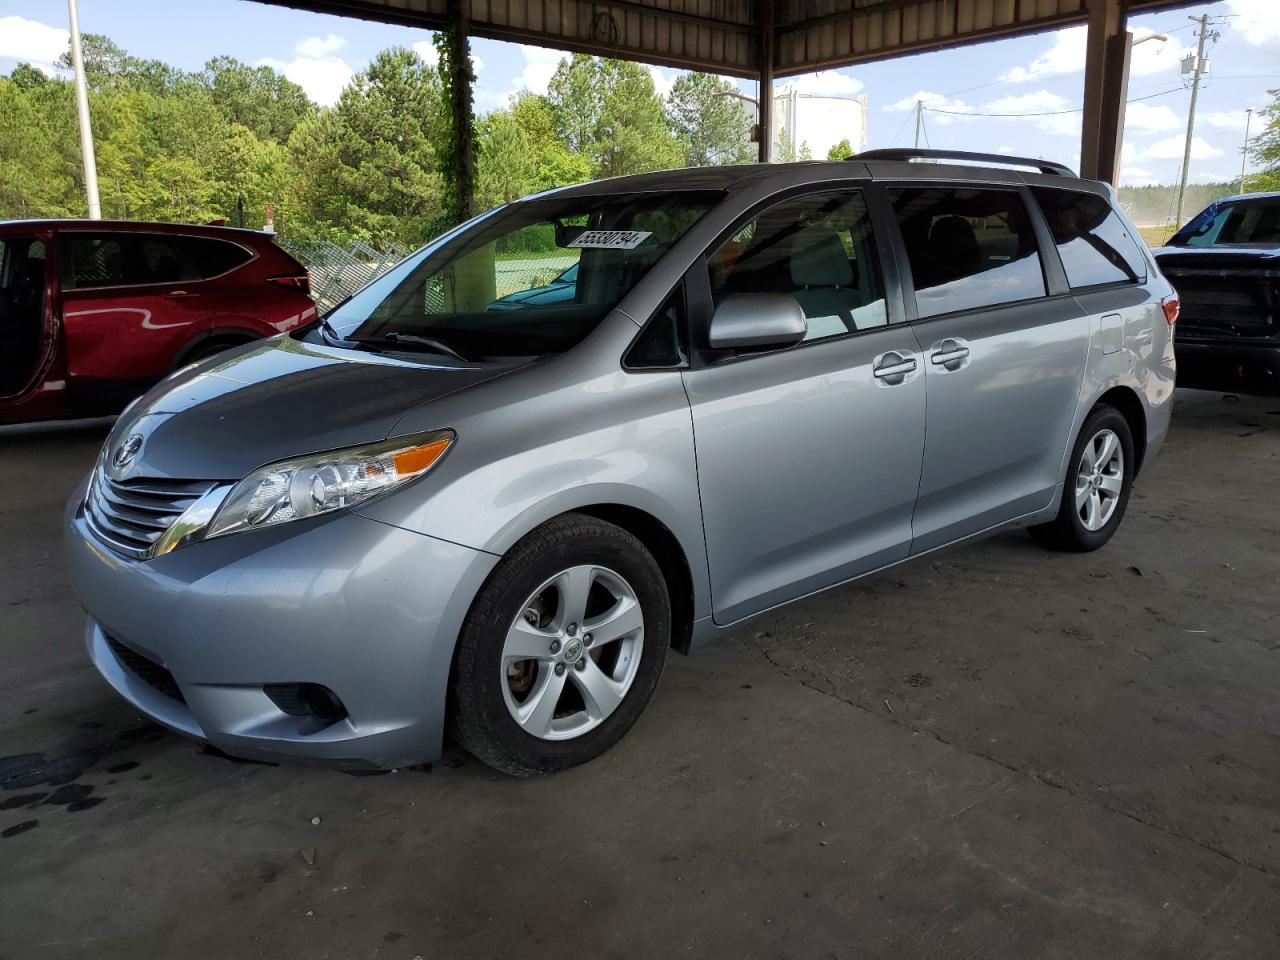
294, 281
1171, 306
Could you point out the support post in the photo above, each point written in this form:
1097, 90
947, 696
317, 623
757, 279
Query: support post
460, 165
82, 112
1106, 82
764, 16
1196, 74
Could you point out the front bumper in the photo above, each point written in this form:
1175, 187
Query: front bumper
368, 610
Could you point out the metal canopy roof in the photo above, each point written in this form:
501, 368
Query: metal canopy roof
731, 36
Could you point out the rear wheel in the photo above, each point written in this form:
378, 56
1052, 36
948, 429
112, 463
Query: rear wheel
1096, 492
562, 648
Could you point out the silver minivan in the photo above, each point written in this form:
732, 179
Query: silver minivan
448, 507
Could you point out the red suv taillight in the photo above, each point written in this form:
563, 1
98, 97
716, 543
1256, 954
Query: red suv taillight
1171, 306
294, 281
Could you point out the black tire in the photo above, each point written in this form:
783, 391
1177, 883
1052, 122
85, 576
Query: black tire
207, 350
479, 717
1067, 531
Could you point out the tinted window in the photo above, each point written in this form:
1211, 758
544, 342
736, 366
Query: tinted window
662, 344
94, 259
159, 259
968, 248
212, 258
1092, 240
820, 249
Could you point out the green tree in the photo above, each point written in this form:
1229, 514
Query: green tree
256, 97
26, 76
708, 121
840, 151
784, 151
520, 154
368, 167
1266, 151
805, 152
608, 111
36, 177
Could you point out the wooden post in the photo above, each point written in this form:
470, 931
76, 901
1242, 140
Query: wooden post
1106, 83
764, 14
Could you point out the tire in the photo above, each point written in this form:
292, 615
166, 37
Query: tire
1073, 529
207, 350
500, 709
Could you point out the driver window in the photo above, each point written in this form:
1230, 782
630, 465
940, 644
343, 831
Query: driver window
818, 248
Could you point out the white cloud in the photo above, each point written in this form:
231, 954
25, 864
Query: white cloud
662, 82
1208, 176
1170, 148
1136, 177
539, 67
320, 48
826, 83
1142, 117
936, 102
1040, 108
1257, 20
1226, 120
426, 49
1066, 55
31, 41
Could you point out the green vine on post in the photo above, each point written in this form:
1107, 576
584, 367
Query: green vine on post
458, 165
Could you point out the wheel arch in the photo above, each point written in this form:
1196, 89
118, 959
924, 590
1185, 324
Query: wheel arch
666, 549
1126, 400
225, 336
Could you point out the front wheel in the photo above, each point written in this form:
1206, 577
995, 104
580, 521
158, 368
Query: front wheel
562, 648
1096, 492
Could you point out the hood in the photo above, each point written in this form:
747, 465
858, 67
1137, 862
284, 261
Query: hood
278, 398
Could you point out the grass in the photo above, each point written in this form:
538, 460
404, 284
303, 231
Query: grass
1155, 236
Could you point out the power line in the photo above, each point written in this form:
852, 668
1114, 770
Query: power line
1041, 113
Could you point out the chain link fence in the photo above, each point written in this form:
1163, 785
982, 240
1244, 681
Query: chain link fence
337, 271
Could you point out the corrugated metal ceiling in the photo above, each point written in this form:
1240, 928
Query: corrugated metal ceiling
722, 36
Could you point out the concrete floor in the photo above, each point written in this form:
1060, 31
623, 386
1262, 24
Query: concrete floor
999, 753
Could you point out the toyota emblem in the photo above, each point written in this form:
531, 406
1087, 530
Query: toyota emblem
126, 452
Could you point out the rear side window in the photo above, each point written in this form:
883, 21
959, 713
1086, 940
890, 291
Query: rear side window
158, 259
967, 247
1095, 246
212, 258
820, 249
94, 260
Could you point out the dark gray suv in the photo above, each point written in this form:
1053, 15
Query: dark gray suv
441, 507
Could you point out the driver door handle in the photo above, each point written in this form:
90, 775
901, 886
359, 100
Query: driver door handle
893, 367
950, 356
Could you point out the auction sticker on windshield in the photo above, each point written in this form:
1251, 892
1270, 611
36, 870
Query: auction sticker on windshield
611, 239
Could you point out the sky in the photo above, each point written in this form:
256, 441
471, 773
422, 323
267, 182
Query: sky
968, 93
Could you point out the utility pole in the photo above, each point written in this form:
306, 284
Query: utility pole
1244, 151
919, 120
1196, 74
82, 112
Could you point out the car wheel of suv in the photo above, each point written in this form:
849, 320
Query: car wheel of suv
561, 649
1096, 492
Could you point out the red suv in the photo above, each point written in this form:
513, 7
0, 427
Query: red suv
93, 312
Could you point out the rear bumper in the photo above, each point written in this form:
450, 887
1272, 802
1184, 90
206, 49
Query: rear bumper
1228, 364
368, 610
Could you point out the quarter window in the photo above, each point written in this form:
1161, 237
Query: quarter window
1095, 246
968, 248
820, 249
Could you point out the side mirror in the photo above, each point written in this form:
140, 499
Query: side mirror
755, 320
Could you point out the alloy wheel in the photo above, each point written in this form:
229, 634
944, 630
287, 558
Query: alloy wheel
1099, 480
572, 653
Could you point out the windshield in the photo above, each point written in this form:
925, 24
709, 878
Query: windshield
1242, 221
532, 278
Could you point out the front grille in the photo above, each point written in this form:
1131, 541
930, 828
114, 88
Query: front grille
129, 516
147, 670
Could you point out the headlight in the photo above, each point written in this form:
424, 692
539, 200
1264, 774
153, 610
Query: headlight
322, 482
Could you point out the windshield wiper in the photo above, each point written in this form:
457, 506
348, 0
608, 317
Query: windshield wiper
396, 339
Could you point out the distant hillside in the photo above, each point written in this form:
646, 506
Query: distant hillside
1154, 206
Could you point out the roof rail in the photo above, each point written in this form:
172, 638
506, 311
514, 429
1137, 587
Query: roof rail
907, 154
